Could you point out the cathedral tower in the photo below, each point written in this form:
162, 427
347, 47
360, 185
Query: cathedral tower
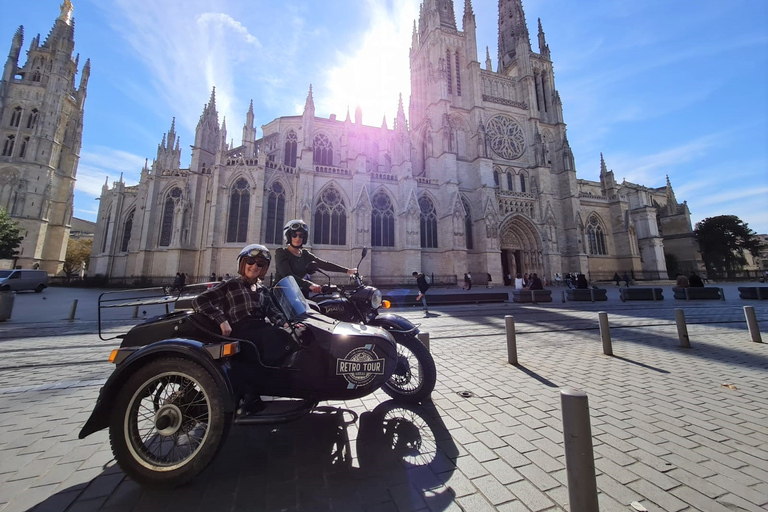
41, 123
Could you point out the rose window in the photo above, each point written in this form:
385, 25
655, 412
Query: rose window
506, 137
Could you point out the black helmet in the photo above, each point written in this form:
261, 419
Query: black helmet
295, 226
254, 251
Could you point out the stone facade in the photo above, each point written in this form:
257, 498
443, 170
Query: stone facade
481, 178
41, 124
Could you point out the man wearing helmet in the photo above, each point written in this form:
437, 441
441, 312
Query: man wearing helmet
293, 260
242, 305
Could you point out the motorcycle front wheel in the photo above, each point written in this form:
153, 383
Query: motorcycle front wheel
168, 422
415, 374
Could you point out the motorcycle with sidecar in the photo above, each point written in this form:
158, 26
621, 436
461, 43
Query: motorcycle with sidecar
178, 385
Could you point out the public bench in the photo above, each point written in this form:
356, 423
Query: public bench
446, 299
697, 292
590, 294
753, 292
644, 293
532, 296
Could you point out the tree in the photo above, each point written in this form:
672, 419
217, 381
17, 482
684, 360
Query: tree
723, 241
10, 236
78, 251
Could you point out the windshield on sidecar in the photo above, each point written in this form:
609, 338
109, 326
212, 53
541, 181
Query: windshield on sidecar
290, 299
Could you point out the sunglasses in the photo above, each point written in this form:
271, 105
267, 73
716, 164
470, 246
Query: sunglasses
255, 261
298, 235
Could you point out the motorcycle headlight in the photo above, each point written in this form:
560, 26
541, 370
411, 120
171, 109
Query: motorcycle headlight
376, 299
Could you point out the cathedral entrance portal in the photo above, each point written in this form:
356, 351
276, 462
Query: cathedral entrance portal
520, 247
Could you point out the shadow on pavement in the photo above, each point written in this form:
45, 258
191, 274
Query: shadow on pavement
396, 456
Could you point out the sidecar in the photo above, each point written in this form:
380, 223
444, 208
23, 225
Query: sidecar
178, 385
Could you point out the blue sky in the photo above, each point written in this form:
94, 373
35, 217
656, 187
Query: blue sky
660, 87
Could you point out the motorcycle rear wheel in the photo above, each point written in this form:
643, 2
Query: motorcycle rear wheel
415, 374
168, 422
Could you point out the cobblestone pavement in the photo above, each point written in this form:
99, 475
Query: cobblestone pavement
673, 429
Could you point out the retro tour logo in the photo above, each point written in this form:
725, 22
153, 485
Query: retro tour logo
360, 366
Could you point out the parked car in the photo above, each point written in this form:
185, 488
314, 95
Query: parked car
21, 279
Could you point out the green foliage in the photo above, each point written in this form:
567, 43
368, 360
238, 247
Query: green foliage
78, 251
10, 236
724, 240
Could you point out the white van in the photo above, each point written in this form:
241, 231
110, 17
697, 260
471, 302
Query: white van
20, 279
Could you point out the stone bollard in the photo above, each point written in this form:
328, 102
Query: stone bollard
754, 329
579, 458
73, 310
682, 329
509, 322
605, 333
424, 339
135, 311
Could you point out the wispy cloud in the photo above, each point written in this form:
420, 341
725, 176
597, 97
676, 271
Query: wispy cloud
99, 165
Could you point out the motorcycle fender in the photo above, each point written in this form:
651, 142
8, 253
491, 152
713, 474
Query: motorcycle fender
187, 349
395, 324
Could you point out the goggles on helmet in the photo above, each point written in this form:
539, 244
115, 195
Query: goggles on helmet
256, 253
297, 226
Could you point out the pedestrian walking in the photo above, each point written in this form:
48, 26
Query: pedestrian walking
625, 277
423, 285
558, 279
490, 283
617, 278
468, 280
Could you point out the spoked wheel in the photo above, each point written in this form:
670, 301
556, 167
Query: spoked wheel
415, 374
168, 422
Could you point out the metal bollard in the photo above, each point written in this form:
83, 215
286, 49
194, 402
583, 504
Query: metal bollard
563, 296
754, 329
509, 322
579, 458
592, 295
682, 329
135, 311
533, 296
72, 311
722, 294
686, 293
605, 333
424, 339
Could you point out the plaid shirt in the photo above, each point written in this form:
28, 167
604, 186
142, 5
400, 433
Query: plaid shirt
236, 300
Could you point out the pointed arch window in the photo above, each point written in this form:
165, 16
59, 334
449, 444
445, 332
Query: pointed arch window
36, 76
596, 237
24, 144
428, 223
239, 201
32, 119
127, 228
323, 154
496, 177
467, 224
291, 143
8, 145
275, 214
522, 183
448, 76
458, 76
382, 221
106, 231
166, 228
510, 186
16, 116
330, 226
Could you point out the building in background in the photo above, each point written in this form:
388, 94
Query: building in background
41, 125
480, 177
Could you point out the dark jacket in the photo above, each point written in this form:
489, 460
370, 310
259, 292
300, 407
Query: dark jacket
286, 264
422, 283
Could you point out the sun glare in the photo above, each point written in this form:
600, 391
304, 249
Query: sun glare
376, 74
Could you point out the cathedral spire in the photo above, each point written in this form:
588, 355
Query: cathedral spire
488, 64
543, 46
469, 15
513, 32
603, 168
414, 38
309, 104
400, 123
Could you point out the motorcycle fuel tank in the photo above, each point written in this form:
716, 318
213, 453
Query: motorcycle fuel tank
339, 309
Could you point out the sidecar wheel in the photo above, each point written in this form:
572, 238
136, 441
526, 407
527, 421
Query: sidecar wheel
415, 373
168, 422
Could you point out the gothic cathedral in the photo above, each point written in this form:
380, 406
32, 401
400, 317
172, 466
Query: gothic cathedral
479, 178
41, 125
